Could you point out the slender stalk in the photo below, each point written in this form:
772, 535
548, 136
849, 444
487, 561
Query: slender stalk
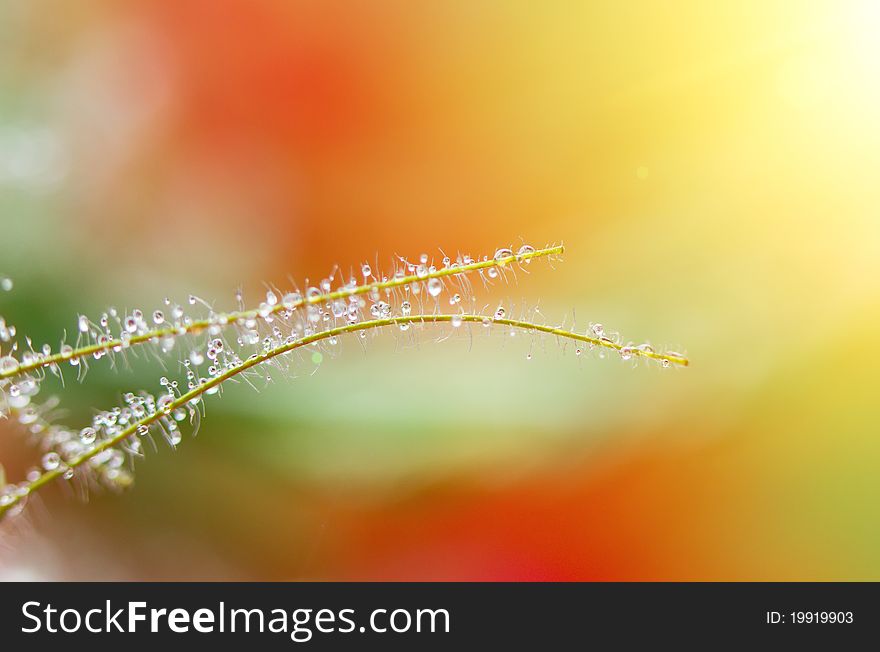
200, 325
258, 359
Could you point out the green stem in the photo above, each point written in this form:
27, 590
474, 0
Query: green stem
232, 317
258, 359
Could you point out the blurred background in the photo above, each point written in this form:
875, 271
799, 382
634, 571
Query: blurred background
711, 167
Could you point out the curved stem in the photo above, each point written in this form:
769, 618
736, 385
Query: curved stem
257, 359
232, 317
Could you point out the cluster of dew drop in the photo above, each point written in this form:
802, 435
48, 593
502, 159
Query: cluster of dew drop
216, 344
241, 346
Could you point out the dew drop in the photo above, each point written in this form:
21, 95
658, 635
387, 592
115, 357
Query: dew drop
18, 401
28, 416
158, 317
8, 364
271, 298
88, 435
66, 351
503, 253
626, 353
405, 308
524, 251
83, 324
291, 300
51, 461
164, 402
6, 283
492, 272
456, 321
435, 287
366, 270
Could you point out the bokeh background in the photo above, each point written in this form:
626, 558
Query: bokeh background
713, 169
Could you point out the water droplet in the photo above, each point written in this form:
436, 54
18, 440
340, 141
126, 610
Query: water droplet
492, 272
456, 321
525, 250
88, 435
665, 363
51, 461
291, 300
502, 253
578, 352
28, 416
5, 283
66, 351
598, 330
366, 270
271, 298
435, 287
158, 317
499, 314
8, 364
405, 308
18, 402
83, 324
626, 353
164, 402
